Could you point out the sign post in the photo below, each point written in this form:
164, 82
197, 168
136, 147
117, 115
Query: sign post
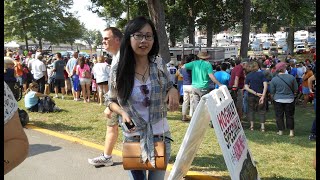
230, 135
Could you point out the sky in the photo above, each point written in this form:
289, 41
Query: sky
90, 19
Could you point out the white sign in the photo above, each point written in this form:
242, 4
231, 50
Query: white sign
230, 134
227, 126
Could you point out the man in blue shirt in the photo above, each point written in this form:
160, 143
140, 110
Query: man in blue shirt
71, 73
293, 70
222, 76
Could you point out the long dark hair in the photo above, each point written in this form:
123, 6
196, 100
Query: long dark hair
127, 62
81, 61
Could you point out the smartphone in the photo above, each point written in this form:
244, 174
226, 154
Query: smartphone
127, 126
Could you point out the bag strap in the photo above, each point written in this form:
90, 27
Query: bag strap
161, 104
286, 83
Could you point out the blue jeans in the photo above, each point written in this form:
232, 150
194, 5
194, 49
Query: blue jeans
151, 175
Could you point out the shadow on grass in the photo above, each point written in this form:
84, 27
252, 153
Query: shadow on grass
200, 177
60, 126
282, 178
35, 149
211, 162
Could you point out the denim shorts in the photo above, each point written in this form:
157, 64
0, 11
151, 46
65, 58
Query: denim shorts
305, 90
85, 81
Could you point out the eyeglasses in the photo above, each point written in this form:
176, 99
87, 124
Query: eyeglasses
145, 91
140, 36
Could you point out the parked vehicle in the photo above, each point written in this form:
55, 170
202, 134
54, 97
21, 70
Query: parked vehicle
311, 41
300, 49
86, 55
273, 51
266, 45
280, 44
298, 42
66, 54
285, 49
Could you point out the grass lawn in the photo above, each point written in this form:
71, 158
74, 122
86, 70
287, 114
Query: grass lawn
277, 157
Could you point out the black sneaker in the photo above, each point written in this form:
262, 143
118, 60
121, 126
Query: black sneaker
312, 137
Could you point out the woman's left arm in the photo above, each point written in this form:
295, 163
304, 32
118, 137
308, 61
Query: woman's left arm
173, 99
16, 144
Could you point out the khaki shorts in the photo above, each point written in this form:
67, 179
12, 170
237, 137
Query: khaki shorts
113, 120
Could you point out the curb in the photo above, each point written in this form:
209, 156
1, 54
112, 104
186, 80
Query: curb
191, 175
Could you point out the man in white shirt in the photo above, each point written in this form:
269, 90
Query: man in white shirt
71, 73
39, 71
111, 42
30, 61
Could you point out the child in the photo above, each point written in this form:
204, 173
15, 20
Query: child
94, 84
94, 90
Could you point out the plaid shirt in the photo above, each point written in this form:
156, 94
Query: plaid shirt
160, 85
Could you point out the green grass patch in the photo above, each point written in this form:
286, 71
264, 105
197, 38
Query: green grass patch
277, 157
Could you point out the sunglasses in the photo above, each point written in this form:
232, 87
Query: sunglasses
145, 91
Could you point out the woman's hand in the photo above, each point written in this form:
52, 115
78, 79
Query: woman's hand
126, 118
173, 99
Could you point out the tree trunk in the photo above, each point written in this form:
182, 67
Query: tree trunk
209, 34
128, 10
156, 12
40, 43
191, 27
25, 34
290, 39
172, 36
245, 29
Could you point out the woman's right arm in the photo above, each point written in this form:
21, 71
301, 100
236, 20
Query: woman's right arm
40, 94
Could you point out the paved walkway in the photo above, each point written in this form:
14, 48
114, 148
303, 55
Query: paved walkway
55, 156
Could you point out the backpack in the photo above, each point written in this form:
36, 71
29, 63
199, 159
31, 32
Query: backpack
46, 105
24, 117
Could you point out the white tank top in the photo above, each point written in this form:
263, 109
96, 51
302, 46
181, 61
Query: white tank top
138, 97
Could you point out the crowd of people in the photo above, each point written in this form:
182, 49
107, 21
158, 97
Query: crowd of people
254, 85
83, 78
138, 87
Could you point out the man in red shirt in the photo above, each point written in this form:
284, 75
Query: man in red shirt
237, 84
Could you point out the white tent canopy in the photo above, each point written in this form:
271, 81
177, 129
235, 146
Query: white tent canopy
12, 44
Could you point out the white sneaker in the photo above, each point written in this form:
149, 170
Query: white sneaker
62, 97
101, 160
56, 96
56, 108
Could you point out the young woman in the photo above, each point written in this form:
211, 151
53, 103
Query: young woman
100, 72
140, 91
32, 97
84, 73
